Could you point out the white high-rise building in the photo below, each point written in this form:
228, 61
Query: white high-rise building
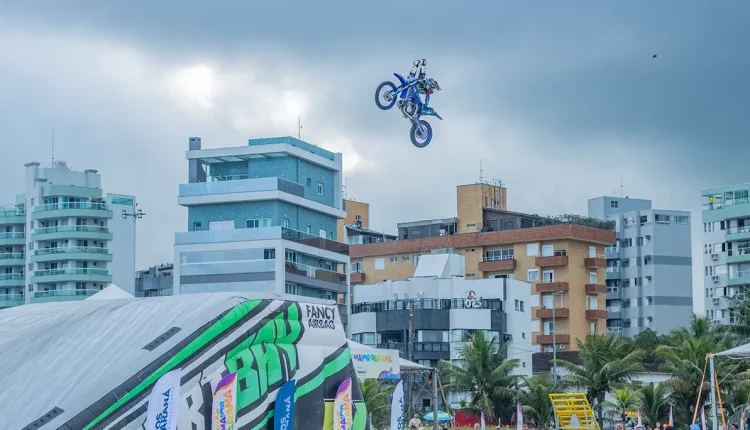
64, 239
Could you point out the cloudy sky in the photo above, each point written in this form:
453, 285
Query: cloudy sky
560, 100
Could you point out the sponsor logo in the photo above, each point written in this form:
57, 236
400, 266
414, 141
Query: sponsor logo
162, 418
225, 412
285, 420
345, 411
321, 317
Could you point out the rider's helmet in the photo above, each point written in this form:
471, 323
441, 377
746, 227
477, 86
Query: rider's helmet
432, 84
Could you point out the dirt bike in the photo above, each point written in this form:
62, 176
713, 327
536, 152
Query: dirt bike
410, 103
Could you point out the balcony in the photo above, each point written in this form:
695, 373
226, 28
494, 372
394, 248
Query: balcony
551, 287
243, 189
547, 338
316, 273
261, 233
357, 278
71, 232
12, 259
614, 330
87, 253
11, 279
739, 278
12, 216
10, 300
492, 264
61, 295
13, 238
555, 260
595, 263
738, 233
596, 314
561, 312
738, 255
73, 274
596, 289
71, 209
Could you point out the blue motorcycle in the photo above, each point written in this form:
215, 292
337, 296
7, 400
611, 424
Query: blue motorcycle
406, 95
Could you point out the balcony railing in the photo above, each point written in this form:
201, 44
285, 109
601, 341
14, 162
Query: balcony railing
63, 293
71, 228
614, 330
314, 241
743, 229
11, 276
71, 205
11, 299
11, 256
215, 178
12, 212
13, 235
728, 202
497, 258
613, 269
72, 250
72, 271
315, 272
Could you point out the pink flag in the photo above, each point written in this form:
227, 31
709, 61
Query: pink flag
519, 417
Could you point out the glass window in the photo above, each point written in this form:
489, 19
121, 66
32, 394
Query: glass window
678, 219
532, 250
499, 254
320, 188
548, 276
257, 223
379, 264
548, 250
394, 259
285, 223
533, 275
269, 254
592, 277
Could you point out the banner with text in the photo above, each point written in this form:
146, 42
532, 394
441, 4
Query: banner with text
163, 402
376, 363
225, 403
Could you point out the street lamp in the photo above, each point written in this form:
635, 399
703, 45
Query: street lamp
554, 335
136, 214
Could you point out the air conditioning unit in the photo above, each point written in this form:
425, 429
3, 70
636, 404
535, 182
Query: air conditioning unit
714, 256
715, 278
716, 300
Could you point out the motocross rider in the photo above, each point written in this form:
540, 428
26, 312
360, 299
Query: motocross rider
424, 84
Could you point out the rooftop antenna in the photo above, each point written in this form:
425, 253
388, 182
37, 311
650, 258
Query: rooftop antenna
299, 128
346, 180
481, 171
621, 187
53, 147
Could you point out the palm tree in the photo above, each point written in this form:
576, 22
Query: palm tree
376, 395
624, 400
535, 401
654, 402
605, 362
483, 373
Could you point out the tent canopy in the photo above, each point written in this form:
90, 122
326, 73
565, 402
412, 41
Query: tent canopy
742, 351
403, 363
111, 293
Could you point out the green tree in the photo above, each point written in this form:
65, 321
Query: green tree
483, 373
606, 362
648, 341
624, 400
654, 402
535, 401
377, 397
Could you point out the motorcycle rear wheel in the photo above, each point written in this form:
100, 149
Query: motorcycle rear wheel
388, 103
421, 136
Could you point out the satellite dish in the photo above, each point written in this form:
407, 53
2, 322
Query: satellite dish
420, 295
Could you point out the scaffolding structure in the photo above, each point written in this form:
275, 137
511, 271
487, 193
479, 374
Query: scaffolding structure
573, 412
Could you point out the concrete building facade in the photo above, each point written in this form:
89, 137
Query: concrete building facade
563, 261
726, 248
649, 269
64, 239
262, 218
156, 281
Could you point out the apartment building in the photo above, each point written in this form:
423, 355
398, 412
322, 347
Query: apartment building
649, 269
726, 248
155, 281
442, 308
262, 218
354, 229
563, 259
64, 239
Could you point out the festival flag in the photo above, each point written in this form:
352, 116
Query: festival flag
163, 402
640, 423
703, 418
342, 406
225, 403
671, 421
481, 417
397, 407
519, 417
283, 413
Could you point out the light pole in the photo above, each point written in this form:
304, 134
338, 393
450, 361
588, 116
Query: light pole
554, 335
136, 215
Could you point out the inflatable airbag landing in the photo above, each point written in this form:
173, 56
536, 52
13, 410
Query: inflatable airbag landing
94, 364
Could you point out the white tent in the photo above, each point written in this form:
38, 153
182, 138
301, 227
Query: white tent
111, 293
742, 351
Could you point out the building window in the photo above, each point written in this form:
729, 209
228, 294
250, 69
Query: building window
661, 219
533, 275
498, 254
592, 277
291, 288
257, 223
309, 229
269, 254
548, 276
591, 302
380, 264
357, 267
285, 223
523, 335
394, 259
519, 305
196, 226
291, 256
532, 250
330, 235
639, 241
681, 219
322, 233
309, 183
548, 250
594, 327
320, 188
638, 282
405, 258
471, 275
613, 204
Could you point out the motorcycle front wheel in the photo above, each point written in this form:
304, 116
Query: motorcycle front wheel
385, 99
421, 135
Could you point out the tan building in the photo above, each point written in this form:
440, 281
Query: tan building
556, 256
355, 211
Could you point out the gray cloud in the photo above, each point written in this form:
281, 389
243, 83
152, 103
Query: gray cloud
561, 103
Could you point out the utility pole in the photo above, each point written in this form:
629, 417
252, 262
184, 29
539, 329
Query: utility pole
714, 406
